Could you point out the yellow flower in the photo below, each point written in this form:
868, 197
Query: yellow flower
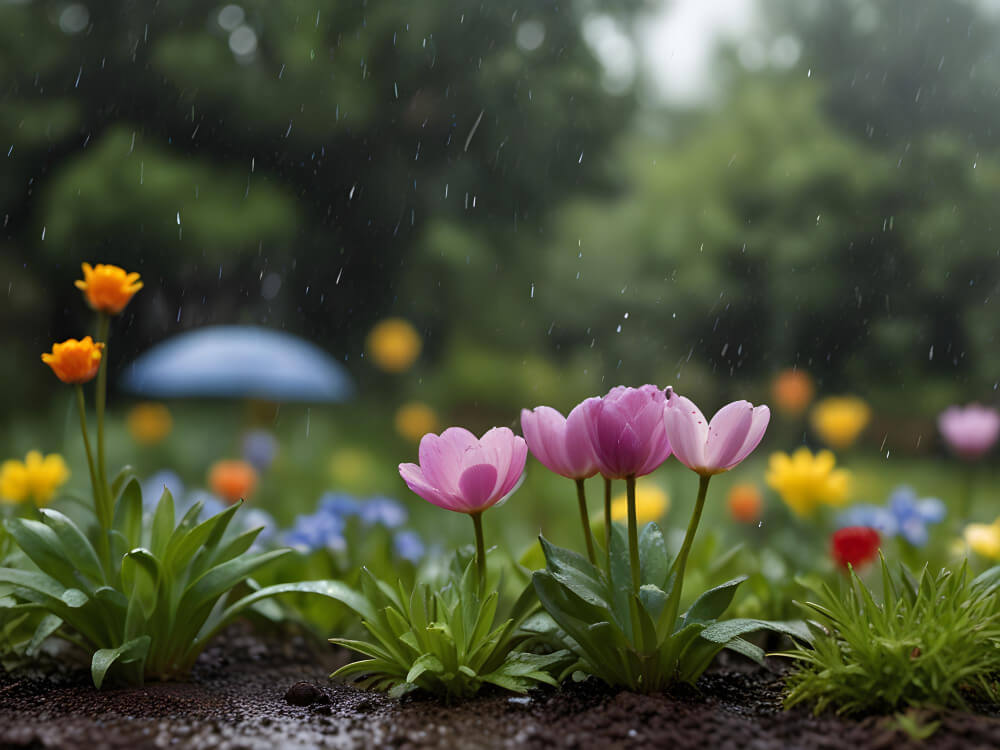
984, 539
651, 503
349, 467
149, 422
792, 390
75, 361
805, 481
394, 344
36, 478
838, 420
415, 419
108, 288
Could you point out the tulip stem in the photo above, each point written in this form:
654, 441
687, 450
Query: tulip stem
581, 498
607, 519
477, 522
680, 563
633, 533
99, 506
103, 329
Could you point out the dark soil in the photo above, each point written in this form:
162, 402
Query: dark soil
245, 693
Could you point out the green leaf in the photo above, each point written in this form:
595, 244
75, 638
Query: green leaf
42, 546
725, 631
135, 649
164, 518
141, 573
46, 627
126, 474
128, 513
654, 562
336, 590
747, 649
575, 572
712, 603
216, 581
75, 544
426, 663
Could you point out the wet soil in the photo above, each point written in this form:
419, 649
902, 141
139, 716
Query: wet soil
246, 693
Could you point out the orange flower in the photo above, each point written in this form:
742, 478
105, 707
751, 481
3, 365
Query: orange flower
108, 288
232, 480
792, 391
745, 503
74, 361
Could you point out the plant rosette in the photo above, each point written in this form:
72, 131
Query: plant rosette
446, 640
142, 595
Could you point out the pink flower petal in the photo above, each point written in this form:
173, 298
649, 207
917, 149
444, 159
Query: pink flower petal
687, 430
543, 430
477, 484
579, 451
416, 481
726, 433
761, 418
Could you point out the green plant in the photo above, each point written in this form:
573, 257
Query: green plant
932, 642
444, 641
165, 593
141, 595
639, 641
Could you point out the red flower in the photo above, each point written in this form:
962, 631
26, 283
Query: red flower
854, 545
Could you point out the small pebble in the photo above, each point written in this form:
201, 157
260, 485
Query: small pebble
305, 694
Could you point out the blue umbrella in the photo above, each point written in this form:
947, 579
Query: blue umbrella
238, 361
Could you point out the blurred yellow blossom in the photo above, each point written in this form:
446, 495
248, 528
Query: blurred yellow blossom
415, 419
149, 422
108, 288
394, 344
349, 467
36, 478
651, 503
792, 390
805, 481
838, 420
984, 539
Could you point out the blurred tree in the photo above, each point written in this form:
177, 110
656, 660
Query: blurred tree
275, 162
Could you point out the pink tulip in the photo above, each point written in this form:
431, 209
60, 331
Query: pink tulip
717, 446
561, 443
970, 431
626, 431
459, 472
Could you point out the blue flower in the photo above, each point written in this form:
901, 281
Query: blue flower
408, 545
255, 518
259, 449
906, 515
913, 514
337, 504
384, 511
316, 531
872, 516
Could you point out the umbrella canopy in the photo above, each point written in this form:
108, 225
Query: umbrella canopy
238, 361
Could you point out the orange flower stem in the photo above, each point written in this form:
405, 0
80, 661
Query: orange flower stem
103, 328
99, 504
581, 498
